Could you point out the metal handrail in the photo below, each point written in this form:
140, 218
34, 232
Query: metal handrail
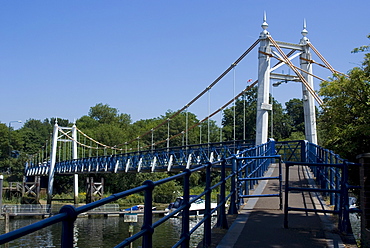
331, 174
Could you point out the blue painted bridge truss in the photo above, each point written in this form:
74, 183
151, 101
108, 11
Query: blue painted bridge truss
164, 159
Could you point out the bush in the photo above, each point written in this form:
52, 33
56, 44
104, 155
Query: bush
166, 193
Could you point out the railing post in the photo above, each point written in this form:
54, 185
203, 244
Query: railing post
185, 213
272, 149
221, 213
148, 215
337, 186
304, 150
207, 214
68, 226
233, 201
239, 185
246, 183
332, 179
280, 185
1, 194
364, 160
344, 223
286, 200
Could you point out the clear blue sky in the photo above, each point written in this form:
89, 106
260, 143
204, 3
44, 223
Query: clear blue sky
59, 58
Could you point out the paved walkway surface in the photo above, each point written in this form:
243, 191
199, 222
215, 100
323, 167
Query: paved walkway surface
260, 222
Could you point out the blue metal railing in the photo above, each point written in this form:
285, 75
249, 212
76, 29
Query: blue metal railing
251, 167
292, 150
331, 177
68, 213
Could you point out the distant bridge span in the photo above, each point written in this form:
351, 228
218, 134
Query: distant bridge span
163, 159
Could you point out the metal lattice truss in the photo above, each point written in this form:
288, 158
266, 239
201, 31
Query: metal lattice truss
166, 159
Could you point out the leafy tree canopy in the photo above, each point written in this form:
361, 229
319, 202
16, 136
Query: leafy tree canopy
345, 118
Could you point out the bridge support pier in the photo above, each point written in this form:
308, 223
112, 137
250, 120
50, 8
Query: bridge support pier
31, 191
94, 190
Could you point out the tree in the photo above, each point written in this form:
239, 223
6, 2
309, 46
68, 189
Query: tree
106, 125
364, 48
294, 109
175, 129
345, 118
103, 113
245, 117
282, 124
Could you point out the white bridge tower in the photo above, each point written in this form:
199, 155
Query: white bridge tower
265, 74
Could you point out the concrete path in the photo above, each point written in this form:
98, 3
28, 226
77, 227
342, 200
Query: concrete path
260, 221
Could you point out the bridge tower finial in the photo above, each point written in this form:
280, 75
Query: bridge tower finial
264, 26
304, 33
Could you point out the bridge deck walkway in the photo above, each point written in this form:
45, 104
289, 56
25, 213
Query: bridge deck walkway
260, 222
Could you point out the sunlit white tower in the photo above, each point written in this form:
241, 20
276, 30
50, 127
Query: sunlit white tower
263, 105
265, 73
308, 100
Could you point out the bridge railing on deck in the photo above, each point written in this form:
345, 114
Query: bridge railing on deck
330, 173
68, 213
292, 150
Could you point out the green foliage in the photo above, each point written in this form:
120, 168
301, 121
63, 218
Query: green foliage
4, 142
132, 199
63, 184
10, 140
245, 119
103, 113
364, 48
245, 113
345, 118
167, 192
294, 109
296, 136
12, 200
282, 126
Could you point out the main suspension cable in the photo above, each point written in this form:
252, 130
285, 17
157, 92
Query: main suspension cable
322, 58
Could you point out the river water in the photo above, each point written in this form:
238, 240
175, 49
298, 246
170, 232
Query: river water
109, 232
101, 232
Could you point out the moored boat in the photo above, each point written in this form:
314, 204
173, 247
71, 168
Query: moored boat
196, 208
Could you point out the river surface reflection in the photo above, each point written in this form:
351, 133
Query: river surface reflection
102, 232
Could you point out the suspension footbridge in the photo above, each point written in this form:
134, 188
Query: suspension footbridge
240, 164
